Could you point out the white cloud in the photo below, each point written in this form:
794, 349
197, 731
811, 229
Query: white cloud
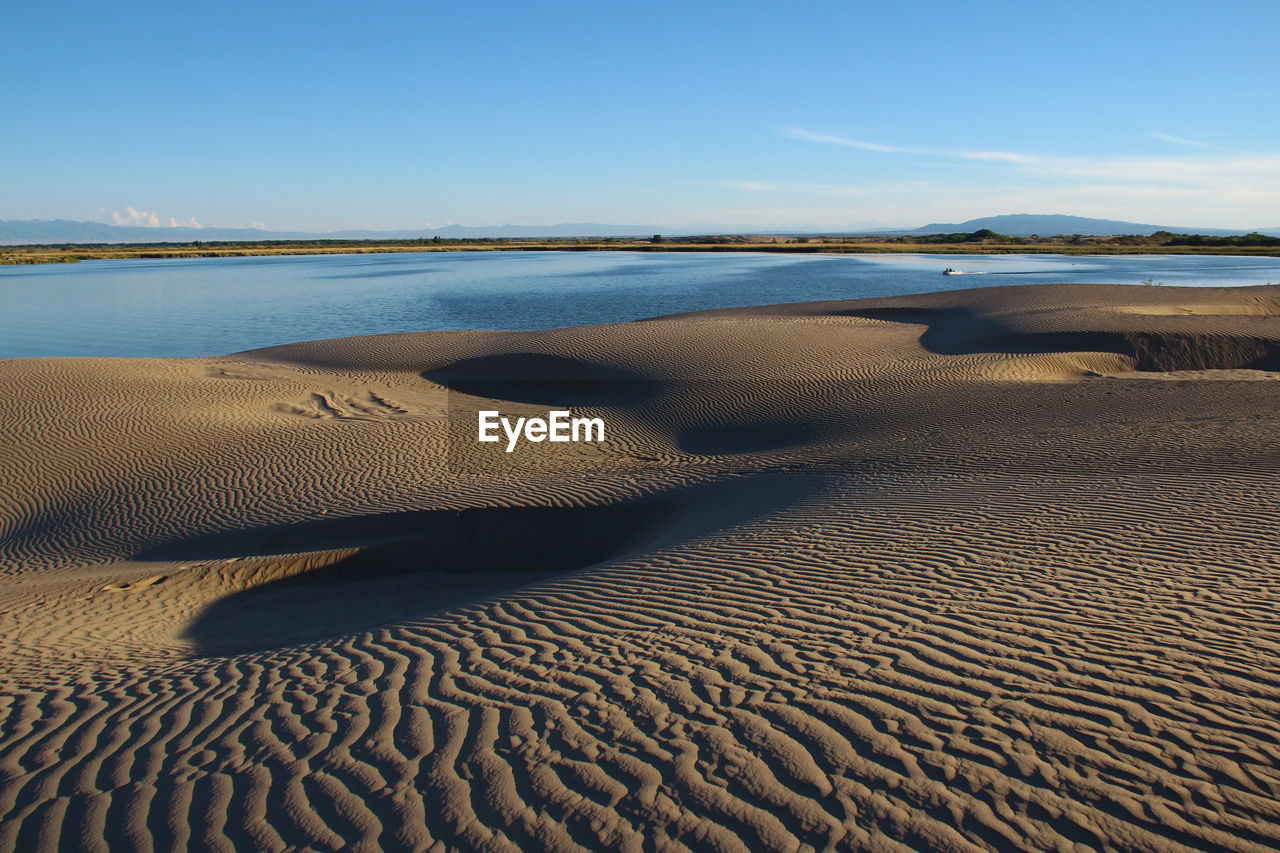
135, 217
147, 218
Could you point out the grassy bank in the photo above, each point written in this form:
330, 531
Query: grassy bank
977, 243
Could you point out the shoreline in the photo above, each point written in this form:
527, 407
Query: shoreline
31, 255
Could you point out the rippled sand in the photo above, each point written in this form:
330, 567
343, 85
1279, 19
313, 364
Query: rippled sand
990, 569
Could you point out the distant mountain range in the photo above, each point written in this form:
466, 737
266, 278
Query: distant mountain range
1052, 225
57, 231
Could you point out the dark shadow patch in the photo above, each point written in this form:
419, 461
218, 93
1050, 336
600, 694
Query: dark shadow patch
1203, 352
321, 579
960, 331
547, 380
951, 331
734, 439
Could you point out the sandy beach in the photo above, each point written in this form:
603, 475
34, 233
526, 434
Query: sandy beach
991, 569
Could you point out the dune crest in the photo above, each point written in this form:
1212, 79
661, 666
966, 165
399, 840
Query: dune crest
990, 569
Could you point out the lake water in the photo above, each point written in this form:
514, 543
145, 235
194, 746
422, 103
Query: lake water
211, 306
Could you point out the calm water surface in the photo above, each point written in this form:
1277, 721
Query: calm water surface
211, 306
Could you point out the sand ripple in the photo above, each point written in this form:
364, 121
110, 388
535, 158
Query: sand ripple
983, 570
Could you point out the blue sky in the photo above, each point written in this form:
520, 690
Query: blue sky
324, 116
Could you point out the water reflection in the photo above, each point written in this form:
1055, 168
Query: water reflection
209, 306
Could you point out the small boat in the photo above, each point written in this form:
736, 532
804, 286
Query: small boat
950, 271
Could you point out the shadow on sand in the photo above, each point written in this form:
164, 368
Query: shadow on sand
319, 579
546, 380
959, 331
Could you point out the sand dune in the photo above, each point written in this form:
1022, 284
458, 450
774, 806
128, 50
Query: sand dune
985, 569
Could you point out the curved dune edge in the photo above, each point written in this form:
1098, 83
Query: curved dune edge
985, 569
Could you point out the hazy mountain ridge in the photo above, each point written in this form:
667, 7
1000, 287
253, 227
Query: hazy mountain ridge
57, 231
1049, 225
40, 231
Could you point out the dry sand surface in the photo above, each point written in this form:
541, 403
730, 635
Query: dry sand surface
988, 569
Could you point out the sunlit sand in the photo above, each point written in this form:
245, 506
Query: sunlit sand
985, 569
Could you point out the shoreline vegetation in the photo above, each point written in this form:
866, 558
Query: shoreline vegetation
984, 242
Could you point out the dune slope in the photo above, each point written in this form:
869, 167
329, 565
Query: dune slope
980, 570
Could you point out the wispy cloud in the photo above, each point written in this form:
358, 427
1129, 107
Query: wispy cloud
1178, 140
956, 202
1223, 169
810, 136
1204, 185
1250, 174
863, 145
1194, 143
